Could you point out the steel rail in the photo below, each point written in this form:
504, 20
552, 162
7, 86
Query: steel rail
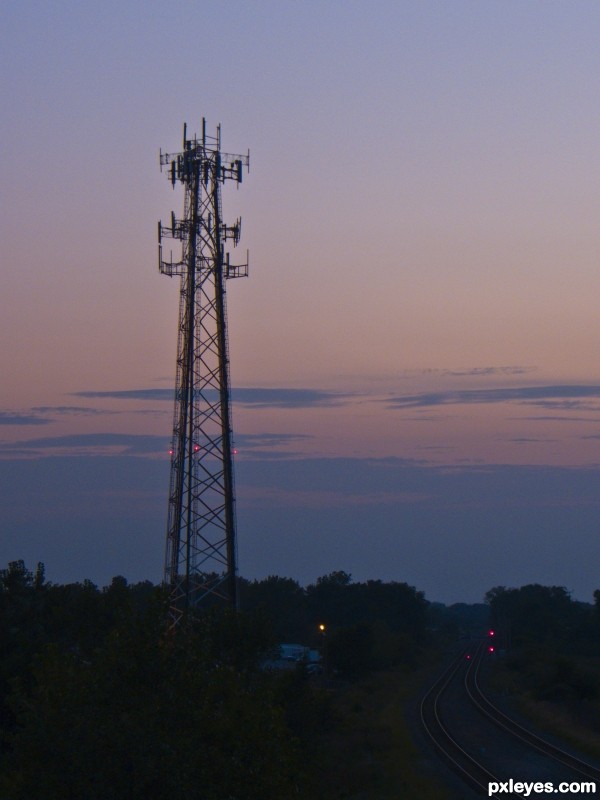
459, 759
499, 718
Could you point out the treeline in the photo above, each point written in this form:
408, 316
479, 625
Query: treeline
99, 698
551, 644
367, 626
535, 615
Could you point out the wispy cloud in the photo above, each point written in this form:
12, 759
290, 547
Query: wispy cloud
532, 395
470, 372
249, 397
252, 440
129, 394
259, 446
44, 415
269, 446
289, 398
528, 440
321, 498
10, 418
567, 405
70, 411
549, 418
487, 371
89, 444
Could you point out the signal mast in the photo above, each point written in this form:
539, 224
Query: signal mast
200, 559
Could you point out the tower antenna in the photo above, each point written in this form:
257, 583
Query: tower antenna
200, 559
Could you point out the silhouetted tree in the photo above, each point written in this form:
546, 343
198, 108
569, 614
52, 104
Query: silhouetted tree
533, 613
151, 715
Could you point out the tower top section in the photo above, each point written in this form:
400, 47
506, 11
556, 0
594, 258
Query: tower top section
202, 169
204, 152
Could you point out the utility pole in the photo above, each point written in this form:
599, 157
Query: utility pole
200, 560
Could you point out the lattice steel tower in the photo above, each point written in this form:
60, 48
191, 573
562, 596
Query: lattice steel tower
200, 562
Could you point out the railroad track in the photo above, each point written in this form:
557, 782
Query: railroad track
471, 770
499, 718
475, 773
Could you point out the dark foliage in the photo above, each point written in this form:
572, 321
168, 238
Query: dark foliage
552, 646
98, 699
542, 615
368, 626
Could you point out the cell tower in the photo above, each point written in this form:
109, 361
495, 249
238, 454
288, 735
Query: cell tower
200, 561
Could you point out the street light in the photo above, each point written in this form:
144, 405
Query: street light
323, 631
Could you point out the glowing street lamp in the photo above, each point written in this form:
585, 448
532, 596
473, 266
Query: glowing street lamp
323, 632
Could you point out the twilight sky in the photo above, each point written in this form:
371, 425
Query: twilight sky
415, 353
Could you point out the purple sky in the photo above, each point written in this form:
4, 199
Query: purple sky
415, 352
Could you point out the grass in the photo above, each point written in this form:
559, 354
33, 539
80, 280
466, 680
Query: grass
368, 752
560, 721
571, 721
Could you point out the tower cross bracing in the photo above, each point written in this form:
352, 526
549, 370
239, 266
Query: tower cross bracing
200, 558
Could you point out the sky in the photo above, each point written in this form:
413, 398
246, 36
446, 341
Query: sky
414, 355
